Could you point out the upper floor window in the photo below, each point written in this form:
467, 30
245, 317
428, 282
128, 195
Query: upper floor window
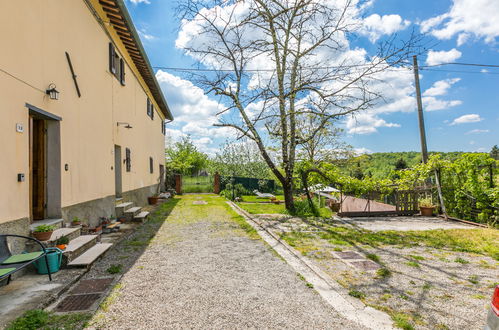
150, 109
116, 65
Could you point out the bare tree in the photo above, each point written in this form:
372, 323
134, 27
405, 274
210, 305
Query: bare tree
275, 63
326, 146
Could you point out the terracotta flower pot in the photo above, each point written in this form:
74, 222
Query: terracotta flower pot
426, 211
42, 236
61, 246
152, 200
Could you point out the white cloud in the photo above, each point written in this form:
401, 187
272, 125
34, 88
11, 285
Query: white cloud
376, 25
146, 36
431, 103
194, 112
466, 18
366, 123
440, 87
439, 57
478, 131
136, 2
466, 119
362, 151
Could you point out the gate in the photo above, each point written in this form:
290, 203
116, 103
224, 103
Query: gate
197, 184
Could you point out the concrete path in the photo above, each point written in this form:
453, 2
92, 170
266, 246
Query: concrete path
202, 270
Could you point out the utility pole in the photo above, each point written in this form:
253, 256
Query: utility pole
422, 133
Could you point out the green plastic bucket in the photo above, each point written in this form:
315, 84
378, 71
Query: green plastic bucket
54, 256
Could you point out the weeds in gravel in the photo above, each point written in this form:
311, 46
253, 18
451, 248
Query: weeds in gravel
373, 257
474, 279
40, 319
402, 321
115, 269
478, 296
416, 257
427, 286
461, 260
383, 272
412, 264
357, 294
309, 285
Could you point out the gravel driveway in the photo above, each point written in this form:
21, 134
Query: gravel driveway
202, 270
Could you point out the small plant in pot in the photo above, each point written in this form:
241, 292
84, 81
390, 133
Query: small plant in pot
43, 232
62, 242
426, 207
153, 200
76, 222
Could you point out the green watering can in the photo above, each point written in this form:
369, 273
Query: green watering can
54, 256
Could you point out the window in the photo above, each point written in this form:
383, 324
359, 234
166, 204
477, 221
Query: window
163, 128
151, 165
150, 109
116, 65
128, 160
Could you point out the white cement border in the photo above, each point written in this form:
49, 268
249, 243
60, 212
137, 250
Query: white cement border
335, 295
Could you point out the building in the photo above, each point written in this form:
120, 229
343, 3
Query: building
82, 113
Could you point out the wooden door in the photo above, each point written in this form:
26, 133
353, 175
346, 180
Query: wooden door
37, 168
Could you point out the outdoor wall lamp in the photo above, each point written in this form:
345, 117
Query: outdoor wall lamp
127, 125
52, 92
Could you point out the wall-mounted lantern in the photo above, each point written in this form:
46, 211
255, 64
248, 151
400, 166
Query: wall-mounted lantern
52, 92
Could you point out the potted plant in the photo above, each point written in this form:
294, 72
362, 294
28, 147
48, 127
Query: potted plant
426, 207
153, 199
43, 232
62, 242
76, 222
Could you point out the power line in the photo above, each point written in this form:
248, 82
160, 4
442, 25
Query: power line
457, 71
20, 80
461, 63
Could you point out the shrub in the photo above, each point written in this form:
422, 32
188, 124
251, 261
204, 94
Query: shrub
234, 191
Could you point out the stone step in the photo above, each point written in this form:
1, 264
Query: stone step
58, 223
132, 212
91, 255
141, 217
121, 208
70, 233
78, 246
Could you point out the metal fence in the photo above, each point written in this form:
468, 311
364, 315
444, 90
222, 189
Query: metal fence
197, 184
250, 184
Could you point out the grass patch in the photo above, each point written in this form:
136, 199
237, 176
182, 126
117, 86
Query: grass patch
309, 285
412, 264
461, 260
115, 269
263, 208
416, 257
483, 241
357, 294
40, 319
383, 272
426, 286
478, 296
373, 257
255, 199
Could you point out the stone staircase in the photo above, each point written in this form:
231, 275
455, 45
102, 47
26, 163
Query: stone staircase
81, 251
128, 212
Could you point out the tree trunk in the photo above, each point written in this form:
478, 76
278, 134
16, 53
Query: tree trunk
288, 196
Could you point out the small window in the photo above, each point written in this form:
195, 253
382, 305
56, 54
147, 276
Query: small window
128, 160
151, 165
150, 108
163, 129
116, 64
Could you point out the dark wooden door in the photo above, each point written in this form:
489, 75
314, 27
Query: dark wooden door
37, 168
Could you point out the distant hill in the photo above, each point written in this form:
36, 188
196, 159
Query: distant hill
379, 164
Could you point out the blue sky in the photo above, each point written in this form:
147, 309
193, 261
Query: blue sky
461, 108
